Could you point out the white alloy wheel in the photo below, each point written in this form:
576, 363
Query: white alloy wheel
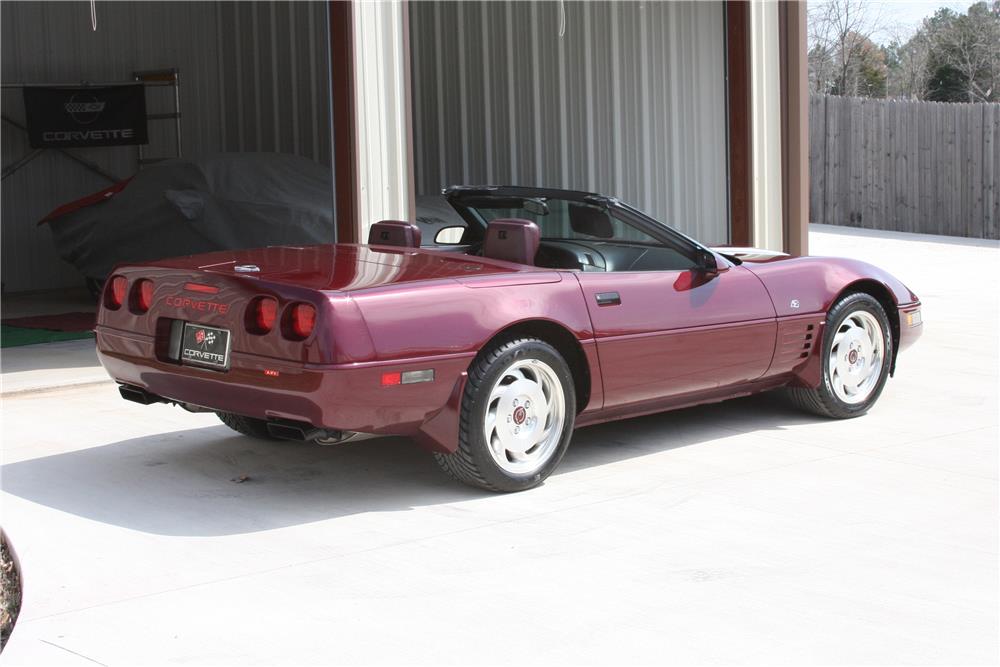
856, 357
524, 417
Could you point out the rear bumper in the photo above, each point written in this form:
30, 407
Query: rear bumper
344, 397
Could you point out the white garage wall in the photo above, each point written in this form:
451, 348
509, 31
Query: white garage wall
631, 102
765, 84
383, 113
254, 77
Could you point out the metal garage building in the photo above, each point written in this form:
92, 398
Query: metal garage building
693, 111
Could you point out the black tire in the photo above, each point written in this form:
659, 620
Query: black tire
255, 428
823, 400
472, 463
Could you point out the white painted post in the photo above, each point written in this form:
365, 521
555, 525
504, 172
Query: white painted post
765, 84
381, 66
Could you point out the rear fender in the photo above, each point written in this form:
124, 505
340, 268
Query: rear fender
440, 432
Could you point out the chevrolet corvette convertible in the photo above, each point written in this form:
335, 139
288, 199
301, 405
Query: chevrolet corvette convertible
544, 310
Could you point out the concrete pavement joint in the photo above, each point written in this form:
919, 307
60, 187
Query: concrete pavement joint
80, 655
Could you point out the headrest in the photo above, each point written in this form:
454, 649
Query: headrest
394, 232
590, 221
512, 240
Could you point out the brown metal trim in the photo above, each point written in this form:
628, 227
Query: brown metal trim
345, 146
783, 105
408, 94
794, 126
740, 119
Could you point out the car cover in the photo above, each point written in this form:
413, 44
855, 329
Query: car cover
184, 207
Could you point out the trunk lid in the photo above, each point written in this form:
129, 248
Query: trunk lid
339, 267
220, 290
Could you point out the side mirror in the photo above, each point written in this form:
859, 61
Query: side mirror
707, 262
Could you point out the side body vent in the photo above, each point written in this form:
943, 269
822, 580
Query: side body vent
796, 339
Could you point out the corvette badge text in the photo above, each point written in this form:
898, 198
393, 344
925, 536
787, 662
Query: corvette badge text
85, 116
90, 135
202, 355
195, 304
205, 339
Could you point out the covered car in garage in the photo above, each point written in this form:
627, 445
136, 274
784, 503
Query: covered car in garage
181, 207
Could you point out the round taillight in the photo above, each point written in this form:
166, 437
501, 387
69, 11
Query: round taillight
142, 297
116, 292
262, 314
301, 320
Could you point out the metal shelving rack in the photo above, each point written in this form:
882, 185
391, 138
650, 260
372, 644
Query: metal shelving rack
162, 77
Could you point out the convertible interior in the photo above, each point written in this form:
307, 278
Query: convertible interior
577, 236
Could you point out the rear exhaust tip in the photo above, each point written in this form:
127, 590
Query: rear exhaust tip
138, 395
287, 431
304, 432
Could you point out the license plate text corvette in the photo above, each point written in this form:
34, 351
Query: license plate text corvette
205, 346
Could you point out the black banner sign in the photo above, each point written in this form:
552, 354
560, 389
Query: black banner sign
86, 116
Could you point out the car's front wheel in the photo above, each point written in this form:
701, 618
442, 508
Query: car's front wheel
857, 353
517, 417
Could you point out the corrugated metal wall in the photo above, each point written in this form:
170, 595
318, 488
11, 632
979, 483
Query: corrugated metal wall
631, 101
274, 72
254, 77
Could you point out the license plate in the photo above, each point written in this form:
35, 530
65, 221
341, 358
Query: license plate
205, 346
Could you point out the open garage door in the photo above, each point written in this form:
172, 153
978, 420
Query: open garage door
254, 90
623, 98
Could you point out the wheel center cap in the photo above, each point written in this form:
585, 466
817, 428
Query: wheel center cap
520, 414
853, 357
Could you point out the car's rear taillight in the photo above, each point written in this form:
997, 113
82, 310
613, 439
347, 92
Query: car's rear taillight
261, 315
142, 295
301, 320
115, 294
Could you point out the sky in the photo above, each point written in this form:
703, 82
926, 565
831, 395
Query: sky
905, 16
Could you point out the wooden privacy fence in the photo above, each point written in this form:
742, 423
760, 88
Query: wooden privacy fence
927, 167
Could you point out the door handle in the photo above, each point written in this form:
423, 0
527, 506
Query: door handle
608, 299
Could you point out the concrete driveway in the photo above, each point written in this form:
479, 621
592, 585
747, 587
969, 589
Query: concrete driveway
739, 533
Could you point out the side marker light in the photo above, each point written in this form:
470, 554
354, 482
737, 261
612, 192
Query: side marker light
407, 377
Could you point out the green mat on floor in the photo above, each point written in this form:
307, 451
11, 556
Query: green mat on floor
17, 336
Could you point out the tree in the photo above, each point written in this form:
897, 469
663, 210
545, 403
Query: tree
965, 60
843, 60
951, 58
871, 77
907, 67
821, 67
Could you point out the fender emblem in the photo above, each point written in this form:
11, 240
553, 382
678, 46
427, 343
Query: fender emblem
794, 303
246, 268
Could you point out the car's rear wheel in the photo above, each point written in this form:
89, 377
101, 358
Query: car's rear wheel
255, 428
857, 353
517, 417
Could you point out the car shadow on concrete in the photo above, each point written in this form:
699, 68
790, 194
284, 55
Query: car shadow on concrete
188, 483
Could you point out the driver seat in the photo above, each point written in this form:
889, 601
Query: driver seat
512, 240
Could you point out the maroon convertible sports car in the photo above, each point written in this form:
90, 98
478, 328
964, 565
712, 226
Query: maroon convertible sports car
544, 310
